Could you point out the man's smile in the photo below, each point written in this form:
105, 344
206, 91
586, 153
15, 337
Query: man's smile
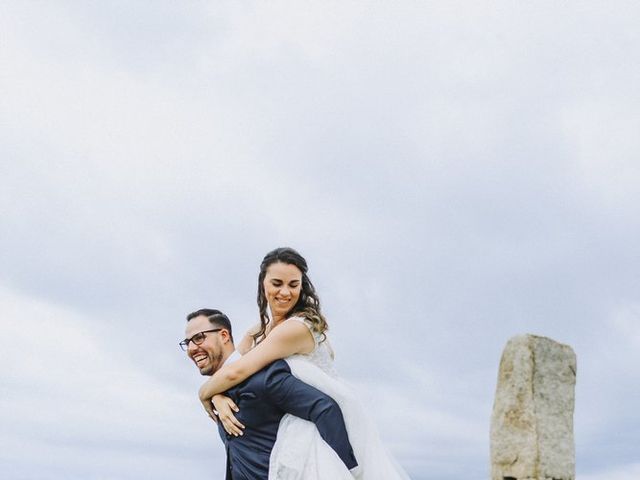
200, 359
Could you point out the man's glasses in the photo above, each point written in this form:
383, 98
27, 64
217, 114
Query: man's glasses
197, 339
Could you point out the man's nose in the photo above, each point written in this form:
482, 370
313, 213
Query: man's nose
191, 347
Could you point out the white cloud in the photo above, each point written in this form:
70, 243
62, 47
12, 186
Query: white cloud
601, 133
74, 403
626, 322
625, 472
456, 173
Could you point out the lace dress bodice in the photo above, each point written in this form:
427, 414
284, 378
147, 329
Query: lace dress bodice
322, 355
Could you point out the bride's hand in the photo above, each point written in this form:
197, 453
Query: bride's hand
206, 404
226, 408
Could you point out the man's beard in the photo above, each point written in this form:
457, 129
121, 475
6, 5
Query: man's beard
214, 364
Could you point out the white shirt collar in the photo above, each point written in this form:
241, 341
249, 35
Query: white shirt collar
232, 358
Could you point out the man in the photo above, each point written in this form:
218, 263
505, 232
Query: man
262, 400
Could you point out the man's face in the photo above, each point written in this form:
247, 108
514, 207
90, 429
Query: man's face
209, 355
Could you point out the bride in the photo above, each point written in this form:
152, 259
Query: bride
295, 331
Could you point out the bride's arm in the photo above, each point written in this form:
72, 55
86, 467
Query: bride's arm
223, 405
287, 339
247, 341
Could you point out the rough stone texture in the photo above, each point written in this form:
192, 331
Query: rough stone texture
532, 422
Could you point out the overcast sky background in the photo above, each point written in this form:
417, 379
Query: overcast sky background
455, 173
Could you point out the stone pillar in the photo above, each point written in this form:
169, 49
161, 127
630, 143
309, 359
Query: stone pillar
532, 421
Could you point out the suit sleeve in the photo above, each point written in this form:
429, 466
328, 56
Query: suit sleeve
296, 397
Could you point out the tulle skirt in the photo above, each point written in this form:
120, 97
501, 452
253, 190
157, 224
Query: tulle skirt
300, 453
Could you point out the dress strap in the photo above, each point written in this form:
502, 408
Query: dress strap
309, 325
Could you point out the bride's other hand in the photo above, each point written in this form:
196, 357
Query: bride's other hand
226, 408
247, 342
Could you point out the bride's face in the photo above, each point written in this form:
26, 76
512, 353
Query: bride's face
282, 285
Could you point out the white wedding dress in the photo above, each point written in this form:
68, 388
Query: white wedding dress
300, 453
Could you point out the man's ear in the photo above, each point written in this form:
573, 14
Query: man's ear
224, 334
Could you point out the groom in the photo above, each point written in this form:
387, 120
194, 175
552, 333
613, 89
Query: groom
263, 399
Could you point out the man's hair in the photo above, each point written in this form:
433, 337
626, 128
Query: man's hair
216, 318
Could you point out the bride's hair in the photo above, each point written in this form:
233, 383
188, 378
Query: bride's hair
307, 306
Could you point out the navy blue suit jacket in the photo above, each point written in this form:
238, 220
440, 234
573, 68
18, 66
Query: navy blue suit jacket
263, 399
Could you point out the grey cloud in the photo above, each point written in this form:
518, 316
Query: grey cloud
455, 173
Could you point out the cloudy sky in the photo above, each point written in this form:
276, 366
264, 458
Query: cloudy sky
455, 172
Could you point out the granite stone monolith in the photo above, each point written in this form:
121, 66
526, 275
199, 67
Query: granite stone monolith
532, 421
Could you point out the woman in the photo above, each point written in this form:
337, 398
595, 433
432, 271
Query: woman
295, 331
